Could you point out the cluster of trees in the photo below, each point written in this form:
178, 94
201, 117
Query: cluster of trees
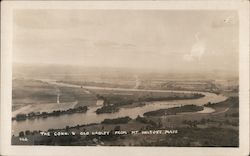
232, 101
32, 115
145, 120
122, 120
112, 104
150, 124
27, 132
174, 110
194, 123
118, 100
176, 97
107, 109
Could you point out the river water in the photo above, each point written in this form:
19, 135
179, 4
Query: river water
91, 117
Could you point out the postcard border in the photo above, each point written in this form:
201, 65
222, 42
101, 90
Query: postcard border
6, 76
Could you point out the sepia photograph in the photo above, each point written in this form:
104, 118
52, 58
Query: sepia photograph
126, 77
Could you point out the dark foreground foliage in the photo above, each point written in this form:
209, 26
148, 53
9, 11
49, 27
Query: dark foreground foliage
198, 137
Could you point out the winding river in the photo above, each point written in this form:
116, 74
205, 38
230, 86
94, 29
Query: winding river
91, 117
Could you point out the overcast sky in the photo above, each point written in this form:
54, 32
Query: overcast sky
160, 40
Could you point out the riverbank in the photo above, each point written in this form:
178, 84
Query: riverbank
91, 117
174, 110
33, 115
193, 130
113, 103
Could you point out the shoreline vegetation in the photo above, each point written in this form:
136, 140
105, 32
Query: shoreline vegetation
228, 102
113, 104
174, 110
33, 115
121, 120
194, 130
219, 128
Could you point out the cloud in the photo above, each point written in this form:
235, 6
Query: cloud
197, 50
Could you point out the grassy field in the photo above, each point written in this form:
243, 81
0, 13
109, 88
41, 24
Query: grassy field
38, 96
32, 92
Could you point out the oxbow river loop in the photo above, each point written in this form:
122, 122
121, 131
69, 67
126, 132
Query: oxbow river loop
91, 117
